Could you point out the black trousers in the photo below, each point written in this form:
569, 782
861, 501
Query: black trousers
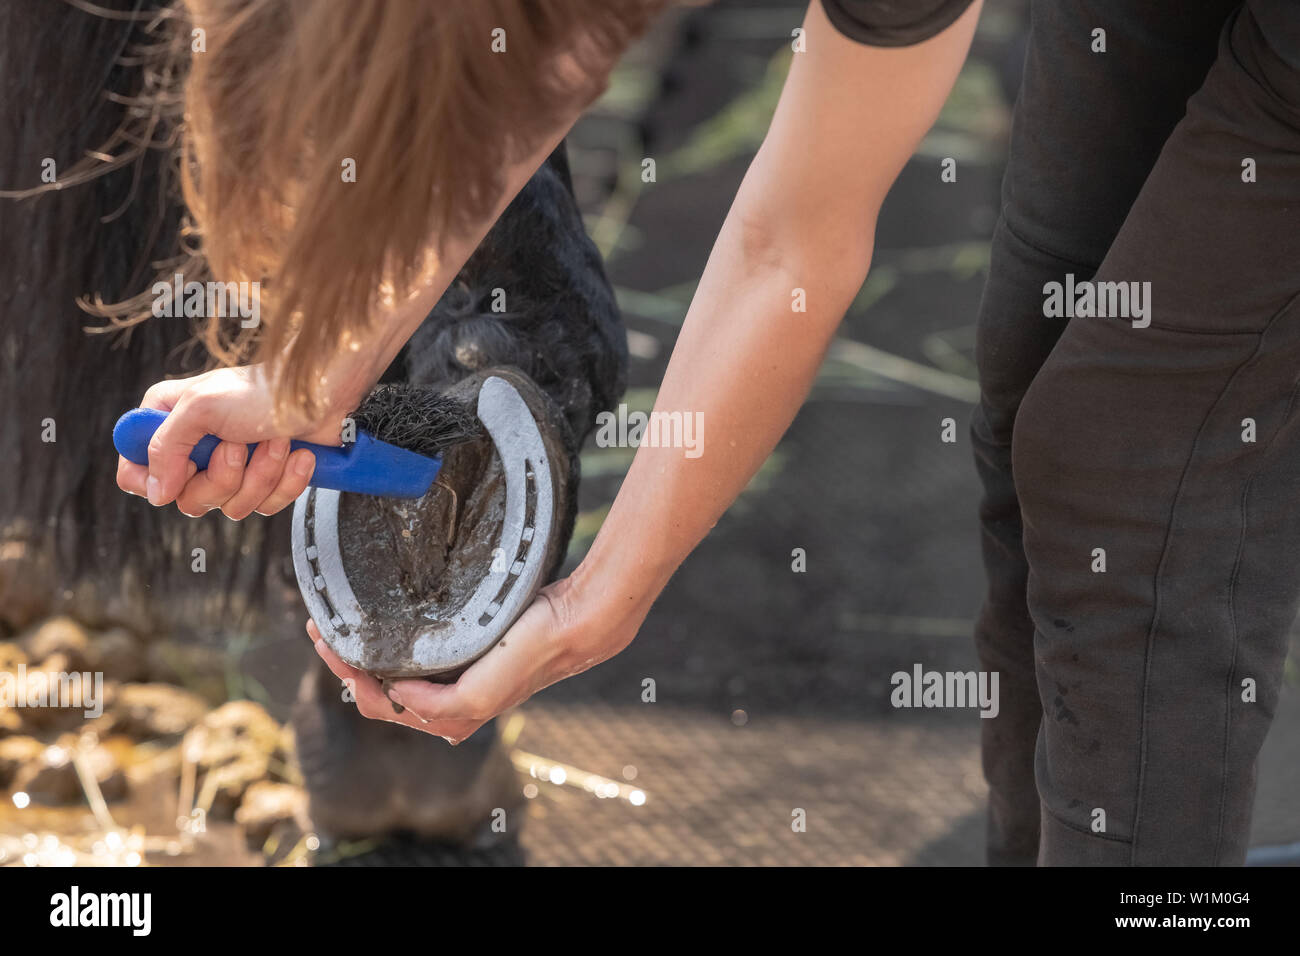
1141, 509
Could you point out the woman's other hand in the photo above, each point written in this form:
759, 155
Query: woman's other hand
559, 635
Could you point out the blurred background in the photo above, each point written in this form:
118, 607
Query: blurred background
771, 684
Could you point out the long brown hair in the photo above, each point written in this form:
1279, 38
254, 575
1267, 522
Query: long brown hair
427, 101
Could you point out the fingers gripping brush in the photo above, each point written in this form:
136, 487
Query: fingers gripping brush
366, 466
418, 546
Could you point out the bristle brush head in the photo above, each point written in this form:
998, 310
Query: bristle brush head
417, 418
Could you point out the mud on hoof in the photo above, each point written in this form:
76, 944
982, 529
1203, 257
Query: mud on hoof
421, 587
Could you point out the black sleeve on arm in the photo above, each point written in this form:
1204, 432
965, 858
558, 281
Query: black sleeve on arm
893, 22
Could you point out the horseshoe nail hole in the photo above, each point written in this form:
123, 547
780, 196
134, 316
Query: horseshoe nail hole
312, 553
525, 543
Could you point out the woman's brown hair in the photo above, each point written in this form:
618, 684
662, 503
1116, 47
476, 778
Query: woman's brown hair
427, 101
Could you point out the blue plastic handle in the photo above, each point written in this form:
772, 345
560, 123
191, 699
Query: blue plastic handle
367, 466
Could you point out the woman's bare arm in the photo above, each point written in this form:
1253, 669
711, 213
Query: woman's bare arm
849, 118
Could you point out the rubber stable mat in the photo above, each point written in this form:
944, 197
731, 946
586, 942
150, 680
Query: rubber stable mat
784, 791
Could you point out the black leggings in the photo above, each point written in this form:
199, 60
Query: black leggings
1141, 514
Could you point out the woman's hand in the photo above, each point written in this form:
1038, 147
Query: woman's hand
556, 637
237, 405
